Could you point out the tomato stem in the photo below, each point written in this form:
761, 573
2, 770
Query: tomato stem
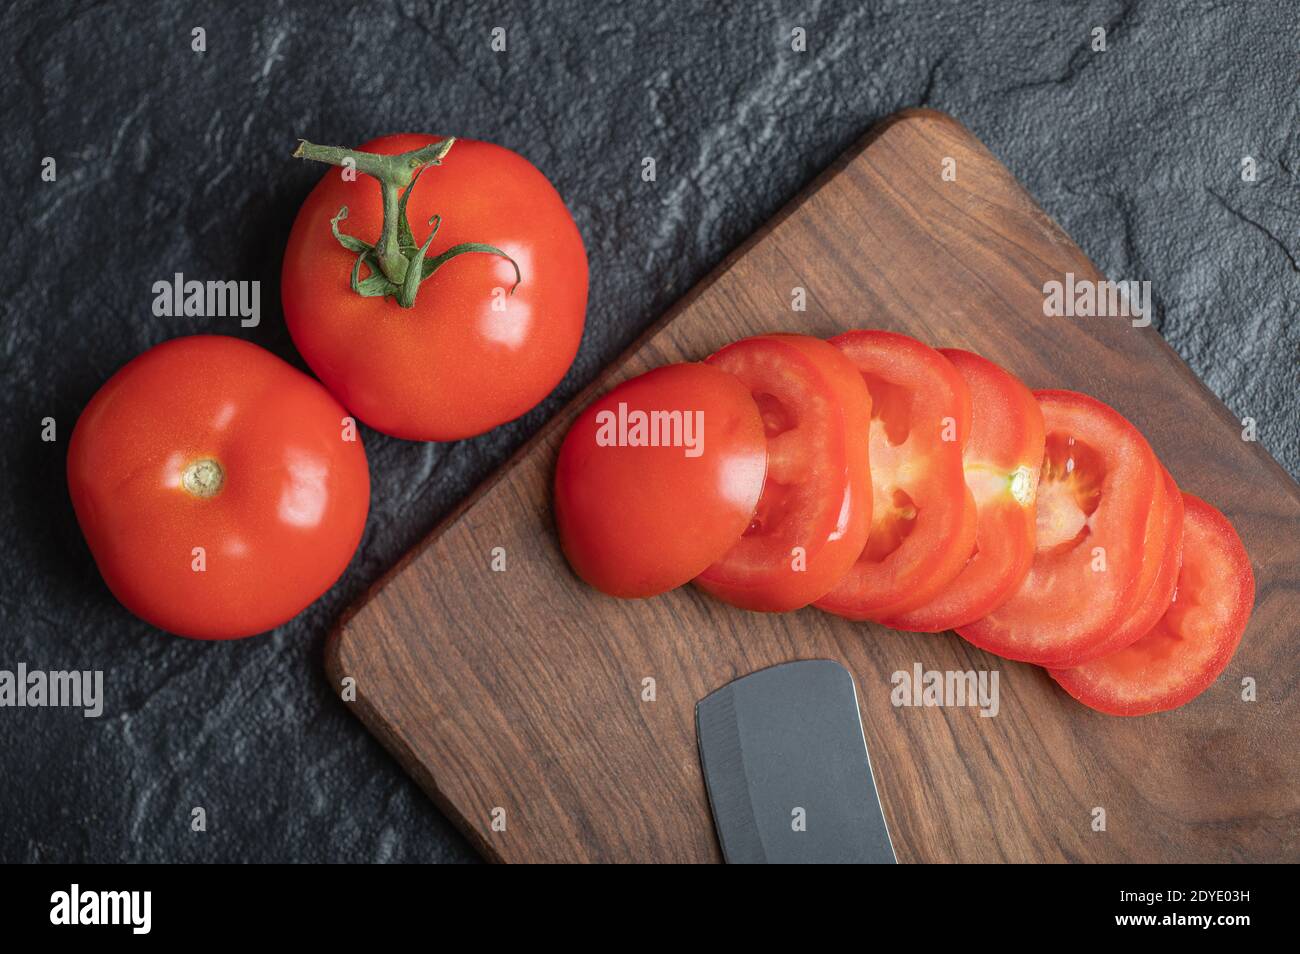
397, 266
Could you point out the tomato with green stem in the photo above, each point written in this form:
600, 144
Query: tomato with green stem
443, 302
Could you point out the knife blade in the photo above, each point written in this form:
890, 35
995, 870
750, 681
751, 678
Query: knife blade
787, 769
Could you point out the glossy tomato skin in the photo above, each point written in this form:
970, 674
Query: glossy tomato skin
466, 357
636, 520
1001, 462
1192, 643
923, 515
813, 516
1100, 496
289, 511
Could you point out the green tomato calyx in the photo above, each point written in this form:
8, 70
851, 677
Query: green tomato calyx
396, 264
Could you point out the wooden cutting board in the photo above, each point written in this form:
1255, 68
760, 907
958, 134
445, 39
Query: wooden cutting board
519, 694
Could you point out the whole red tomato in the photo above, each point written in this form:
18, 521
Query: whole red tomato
495, 321
221, 490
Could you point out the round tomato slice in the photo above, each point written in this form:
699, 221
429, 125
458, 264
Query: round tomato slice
812, 518
659, 478
1001, 463
1160, 562
923, 515
1192, 643
1098, 485
220, 489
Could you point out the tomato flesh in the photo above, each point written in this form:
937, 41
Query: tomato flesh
221, 490
643, 508
1001, 463
812, 518
1161, 559
923, 515
1097, 489
1191, 644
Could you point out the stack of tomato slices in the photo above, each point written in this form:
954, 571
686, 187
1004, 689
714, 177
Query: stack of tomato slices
880, 479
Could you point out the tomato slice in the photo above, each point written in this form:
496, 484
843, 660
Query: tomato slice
1099, 484
812, 519
923, 514
1192, 642
1161, 559
1001, 463
658, 479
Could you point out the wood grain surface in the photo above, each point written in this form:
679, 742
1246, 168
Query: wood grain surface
522, 690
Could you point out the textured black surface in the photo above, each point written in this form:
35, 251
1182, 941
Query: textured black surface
171, 160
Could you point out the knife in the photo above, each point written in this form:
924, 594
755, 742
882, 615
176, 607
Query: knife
787, 770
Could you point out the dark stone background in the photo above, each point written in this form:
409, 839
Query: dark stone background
173, 161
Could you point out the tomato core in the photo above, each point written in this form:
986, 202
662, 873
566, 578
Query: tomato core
1069, 491
203, 478
1023, 486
